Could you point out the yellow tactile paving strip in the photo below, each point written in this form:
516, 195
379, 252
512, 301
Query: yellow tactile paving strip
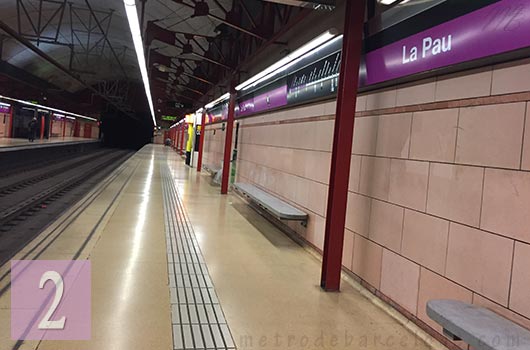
197, 317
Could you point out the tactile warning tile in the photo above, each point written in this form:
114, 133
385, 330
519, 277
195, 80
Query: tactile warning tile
197, 318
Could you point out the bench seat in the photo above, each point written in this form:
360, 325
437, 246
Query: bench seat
211, 169
272, 204
478, 326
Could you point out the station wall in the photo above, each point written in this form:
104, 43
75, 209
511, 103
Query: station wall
439, 186
214, 141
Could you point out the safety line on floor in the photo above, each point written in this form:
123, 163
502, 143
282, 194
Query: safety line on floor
198, 321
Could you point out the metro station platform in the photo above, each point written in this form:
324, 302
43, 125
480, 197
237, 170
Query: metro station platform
175, 265
11, 144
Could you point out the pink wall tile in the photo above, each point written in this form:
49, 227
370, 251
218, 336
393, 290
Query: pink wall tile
491, 135
380, 100
519, 300
511, 77
500, 310
506, 203
324, 135
480, 261
408, 183
330, 108
526, 145
393, 135
318, 197
358, 213
425, 240
347, 250
416, 93
455, 192
315, 165
316, 227
365, 135
400, 280
464, 85
434, 135
360, 106
367, 260
355, 173
434, 286
386, 224
375, 177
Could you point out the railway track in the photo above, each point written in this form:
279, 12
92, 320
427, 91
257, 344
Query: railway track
32, 177
27, 197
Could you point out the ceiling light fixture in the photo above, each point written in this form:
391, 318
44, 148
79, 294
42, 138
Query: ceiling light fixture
220, 99
310, 46
134, 25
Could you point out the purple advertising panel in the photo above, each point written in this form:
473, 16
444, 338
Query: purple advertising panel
262, 102
497, 28
5, 109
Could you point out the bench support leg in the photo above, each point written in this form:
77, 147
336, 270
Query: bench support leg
342, 145
228, 139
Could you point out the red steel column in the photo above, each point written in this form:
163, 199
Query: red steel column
342, 145
201, 141
10, 130
177, 138
182, 138
50, 131
228, 139
42, 125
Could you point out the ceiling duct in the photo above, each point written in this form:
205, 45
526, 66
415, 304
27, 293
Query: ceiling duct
325, 5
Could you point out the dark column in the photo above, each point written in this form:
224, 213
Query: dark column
342, 144
228, 139
201, 140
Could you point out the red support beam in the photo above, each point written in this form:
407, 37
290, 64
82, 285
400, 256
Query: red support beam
228, 138
177, 137
182, 138
10, 130
201, 141
342, 145
42, 125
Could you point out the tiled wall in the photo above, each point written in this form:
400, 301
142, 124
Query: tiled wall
439, 197
214, 139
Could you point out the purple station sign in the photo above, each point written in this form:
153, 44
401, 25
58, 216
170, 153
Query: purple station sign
498, 28
5, 109
501, 27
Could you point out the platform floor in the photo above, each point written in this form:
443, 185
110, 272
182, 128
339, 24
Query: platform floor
261, 286
7, 143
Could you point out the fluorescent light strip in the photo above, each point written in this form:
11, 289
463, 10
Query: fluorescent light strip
292, 63
310, 46
220, 99
134, 25
321, 41
5, 104
27, 103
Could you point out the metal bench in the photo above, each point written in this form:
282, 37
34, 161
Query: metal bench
477, 326
275, 206
211, 169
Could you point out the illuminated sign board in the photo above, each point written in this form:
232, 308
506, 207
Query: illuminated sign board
169, 118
